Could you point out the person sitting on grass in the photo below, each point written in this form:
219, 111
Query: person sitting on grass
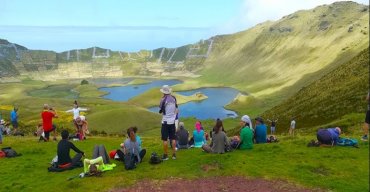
261, 131
219, 142
64, 146
246, 133
182, 137
328, 137
198, 135
217, 126
131, 146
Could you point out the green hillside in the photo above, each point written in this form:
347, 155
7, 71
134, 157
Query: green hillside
282, 56
336, 94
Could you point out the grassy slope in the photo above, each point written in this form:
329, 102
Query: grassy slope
288, 160
340, 92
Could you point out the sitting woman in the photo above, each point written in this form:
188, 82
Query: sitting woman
182, 137
219, 142
246, 133
328, 137
217, 126
198, 135
131, 145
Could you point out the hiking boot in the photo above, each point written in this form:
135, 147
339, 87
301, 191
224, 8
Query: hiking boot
364, 138
165, 157
174, 156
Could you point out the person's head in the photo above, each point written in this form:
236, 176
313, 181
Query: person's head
65, 134
259, 120
245, 121
219, 126
166, 89
135, 129
15, 109
46, 106
75, 106
2, 122
339, 130
182, 125
131, 134
198, 126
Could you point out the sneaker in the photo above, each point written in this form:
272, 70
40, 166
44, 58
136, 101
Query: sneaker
165, 157
364, 138
174, 156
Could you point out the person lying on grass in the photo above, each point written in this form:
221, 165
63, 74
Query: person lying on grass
328, 137
64, 146
131, 145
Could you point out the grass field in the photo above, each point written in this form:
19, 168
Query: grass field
334, 169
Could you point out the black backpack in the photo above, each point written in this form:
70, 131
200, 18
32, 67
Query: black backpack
154, 158
129, 161
9, 152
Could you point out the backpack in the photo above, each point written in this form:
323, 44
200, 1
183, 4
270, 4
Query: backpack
9, 152
129, 161
347, 142
154, 158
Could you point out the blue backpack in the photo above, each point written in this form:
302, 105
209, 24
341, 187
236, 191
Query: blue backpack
347, 142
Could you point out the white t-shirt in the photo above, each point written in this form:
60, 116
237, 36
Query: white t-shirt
76, 112
292, 124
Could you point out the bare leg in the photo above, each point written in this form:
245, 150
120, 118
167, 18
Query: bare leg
174, 146
165, 147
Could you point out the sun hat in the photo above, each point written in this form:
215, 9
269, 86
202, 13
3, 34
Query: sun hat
166, 89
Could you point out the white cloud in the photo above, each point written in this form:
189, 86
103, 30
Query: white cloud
253, 12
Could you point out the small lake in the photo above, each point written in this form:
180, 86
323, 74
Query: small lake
124, 93
210, 108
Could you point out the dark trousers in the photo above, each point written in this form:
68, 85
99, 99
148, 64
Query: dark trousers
99, 150
76, 159
121, 155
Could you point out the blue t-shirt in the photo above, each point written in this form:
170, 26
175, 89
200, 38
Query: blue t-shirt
199, 138
13, 116
261, 133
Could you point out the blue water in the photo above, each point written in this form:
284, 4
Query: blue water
210, 108
127, 92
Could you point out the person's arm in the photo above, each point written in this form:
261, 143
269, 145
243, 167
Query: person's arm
75, 148
83, 109
69, 111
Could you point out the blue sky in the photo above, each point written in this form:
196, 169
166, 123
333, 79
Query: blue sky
130, 25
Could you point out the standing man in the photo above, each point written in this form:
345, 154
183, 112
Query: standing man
47, 116
273, 125
367, 120
292, 127
14, 120
168, 108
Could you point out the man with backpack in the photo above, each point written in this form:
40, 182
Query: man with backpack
168, 108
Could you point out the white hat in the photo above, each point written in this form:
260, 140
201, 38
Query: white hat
2, 121
246, 119
166, 89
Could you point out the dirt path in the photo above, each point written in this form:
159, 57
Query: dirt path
232, 183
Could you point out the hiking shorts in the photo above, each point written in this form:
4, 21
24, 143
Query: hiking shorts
272, 129
367, 119
324, 137
15, 124
168, 131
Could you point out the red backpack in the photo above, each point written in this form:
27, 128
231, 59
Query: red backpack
2, 154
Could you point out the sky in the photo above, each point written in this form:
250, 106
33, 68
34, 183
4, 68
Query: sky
131, 25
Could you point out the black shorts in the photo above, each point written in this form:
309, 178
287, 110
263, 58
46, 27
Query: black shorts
168, 131
367, 119
15, 124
